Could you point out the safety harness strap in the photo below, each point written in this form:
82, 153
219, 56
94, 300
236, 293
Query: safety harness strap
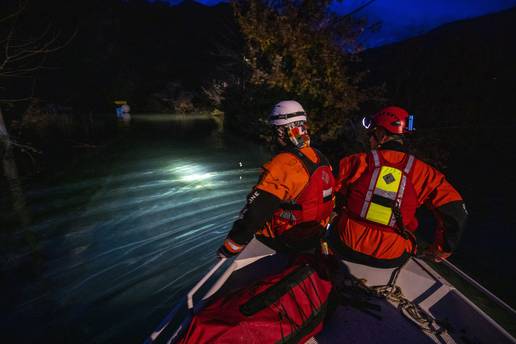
308, 164
401, 192
310, 168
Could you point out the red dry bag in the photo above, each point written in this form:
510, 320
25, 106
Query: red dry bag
288, 307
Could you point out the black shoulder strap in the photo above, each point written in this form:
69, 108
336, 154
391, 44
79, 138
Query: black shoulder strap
309, 165
323, 160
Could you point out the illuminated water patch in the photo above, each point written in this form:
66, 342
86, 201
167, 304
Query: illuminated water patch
197, 177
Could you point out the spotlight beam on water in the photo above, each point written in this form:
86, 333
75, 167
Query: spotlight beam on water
140, 231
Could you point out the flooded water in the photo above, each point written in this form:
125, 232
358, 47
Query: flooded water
117, 240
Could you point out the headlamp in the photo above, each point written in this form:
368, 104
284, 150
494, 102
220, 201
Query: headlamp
367, 122
410, 125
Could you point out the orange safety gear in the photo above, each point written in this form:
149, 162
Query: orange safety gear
285, 176
367, 241
313, 205
382, 188
300, 179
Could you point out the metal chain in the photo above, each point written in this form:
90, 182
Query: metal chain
412, 311
394, 294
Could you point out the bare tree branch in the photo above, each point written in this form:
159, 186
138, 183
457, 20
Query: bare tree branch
21, 8
358, 9
23, 56
15, 100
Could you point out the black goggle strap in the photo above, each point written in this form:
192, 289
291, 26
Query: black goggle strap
287, 115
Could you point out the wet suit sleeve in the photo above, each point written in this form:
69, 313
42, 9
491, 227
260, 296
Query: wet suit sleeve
259, 208
451, 220
446, 204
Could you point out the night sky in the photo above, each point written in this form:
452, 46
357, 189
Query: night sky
402, 19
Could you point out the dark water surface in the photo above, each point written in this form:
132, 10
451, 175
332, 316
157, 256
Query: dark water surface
116, 240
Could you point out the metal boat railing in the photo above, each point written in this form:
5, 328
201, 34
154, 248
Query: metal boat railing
189, 302
479, 287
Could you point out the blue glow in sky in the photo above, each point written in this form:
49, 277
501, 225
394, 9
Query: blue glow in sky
402, 19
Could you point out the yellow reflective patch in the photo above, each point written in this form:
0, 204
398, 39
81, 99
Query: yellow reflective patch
389, 179
379, 214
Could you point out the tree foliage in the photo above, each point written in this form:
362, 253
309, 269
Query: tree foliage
24, 52
301, 49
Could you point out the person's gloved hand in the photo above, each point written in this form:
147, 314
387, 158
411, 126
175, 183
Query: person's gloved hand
435, 253
223, 252
333, 216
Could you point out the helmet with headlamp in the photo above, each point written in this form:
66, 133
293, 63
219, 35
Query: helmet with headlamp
394, 119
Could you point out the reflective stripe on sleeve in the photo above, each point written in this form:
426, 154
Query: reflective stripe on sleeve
233, 246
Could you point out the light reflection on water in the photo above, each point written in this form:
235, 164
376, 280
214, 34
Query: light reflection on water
120, 247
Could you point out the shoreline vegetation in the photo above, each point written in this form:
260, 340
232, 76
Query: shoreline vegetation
51, 137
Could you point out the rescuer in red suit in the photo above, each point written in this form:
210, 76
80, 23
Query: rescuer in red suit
378, 193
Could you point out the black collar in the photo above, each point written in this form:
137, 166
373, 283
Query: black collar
393, 145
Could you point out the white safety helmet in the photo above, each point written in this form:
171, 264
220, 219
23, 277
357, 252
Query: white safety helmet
285, 112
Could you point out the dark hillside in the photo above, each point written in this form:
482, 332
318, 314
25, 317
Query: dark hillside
460, 82
459, 74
